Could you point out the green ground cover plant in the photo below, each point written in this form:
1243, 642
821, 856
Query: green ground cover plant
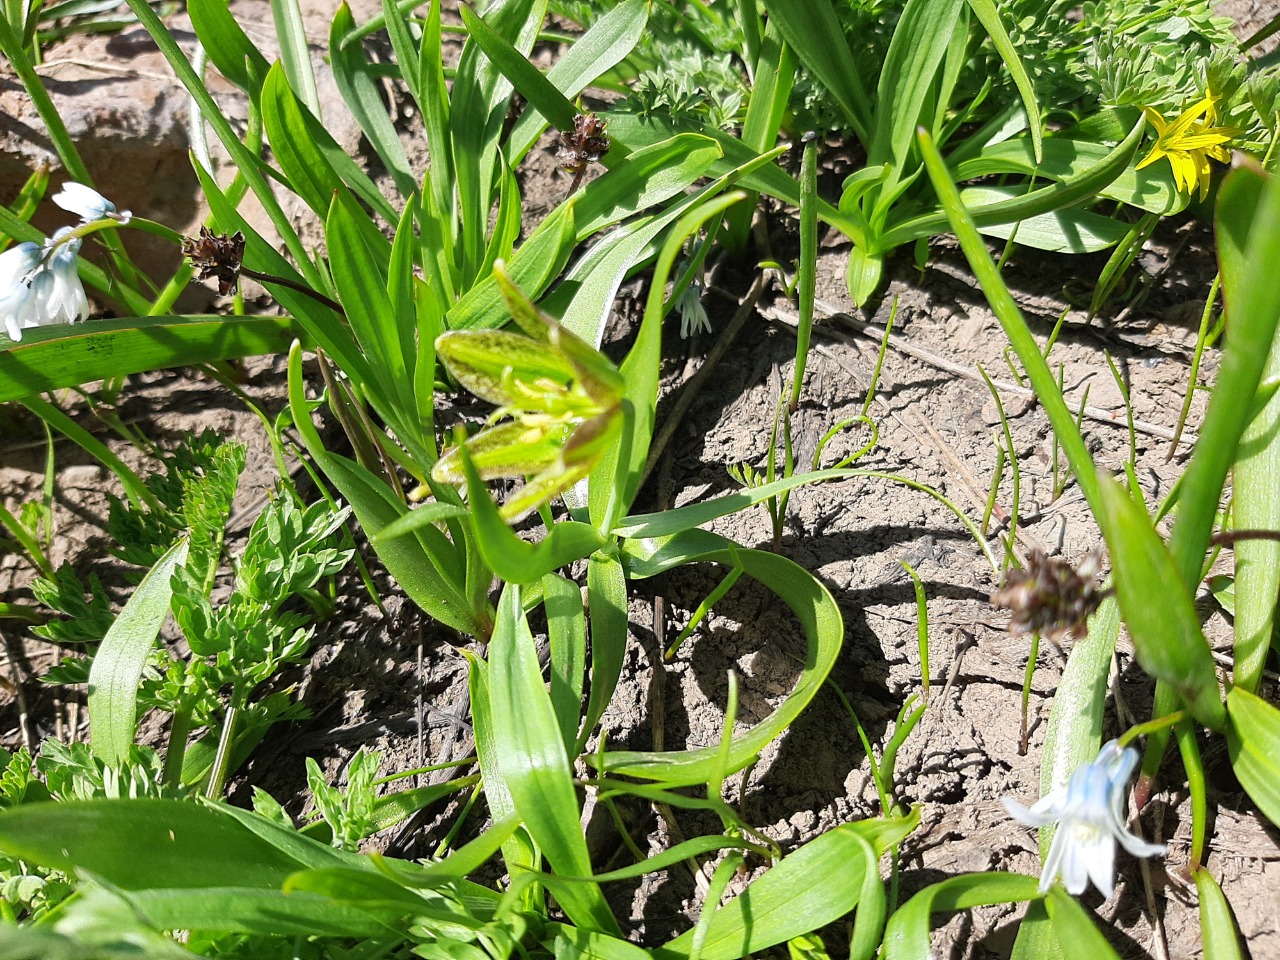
964, 117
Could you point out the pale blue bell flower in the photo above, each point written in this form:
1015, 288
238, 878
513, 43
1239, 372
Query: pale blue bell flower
16, 300
693, 315
60, 294
87, 203
1089, 813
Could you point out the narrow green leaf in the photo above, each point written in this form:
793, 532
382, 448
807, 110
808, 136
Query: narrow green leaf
535, 264
1151, 188
907, 933
117, 667
1219, 934
907, 77
815, 885
607, 600
1256, 481
1068, 230
823, 627
541, 93
480, 95
226, 43
812, 30
427, 565
1056, 196
1036, 939
1078, 936
516, 560
295, 52
188, 845
989, 17
534, 765
605, 44
1253, 741
567, 635
309, 173
359, 88
1161, 618
1075, 721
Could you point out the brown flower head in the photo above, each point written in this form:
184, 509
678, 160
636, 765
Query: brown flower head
216, 255
585, 144
1050, 596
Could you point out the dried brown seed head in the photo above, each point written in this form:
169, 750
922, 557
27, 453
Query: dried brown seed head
216, 256
585, 144
1050, 596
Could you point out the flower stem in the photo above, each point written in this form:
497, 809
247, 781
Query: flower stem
294, 285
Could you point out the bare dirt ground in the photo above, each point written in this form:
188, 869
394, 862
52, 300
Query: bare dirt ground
396, 683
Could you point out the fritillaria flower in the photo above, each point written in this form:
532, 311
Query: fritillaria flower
87, 203
1089, 813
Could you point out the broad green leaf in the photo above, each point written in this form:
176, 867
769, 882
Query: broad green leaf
1161, 618
50, 358
117, 667
1151, 188
907, 933
1068, 230
1256, 482
819, 618
815, 885
1253, 741
534, 764
1219, 934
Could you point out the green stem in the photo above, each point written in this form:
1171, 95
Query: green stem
176, 753
218, 774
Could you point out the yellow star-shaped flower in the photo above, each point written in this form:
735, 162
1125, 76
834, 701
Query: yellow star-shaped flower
1188, 143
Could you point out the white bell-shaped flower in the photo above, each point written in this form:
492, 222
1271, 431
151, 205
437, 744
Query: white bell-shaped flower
87, 203
1089, 813
16, 301
62, 297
